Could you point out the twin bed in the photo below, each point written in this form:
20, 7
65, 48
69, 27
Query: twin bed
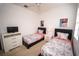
60, 45
32, 39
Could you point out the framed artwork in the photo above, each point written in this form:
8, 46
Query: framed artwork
42, 22
63, 22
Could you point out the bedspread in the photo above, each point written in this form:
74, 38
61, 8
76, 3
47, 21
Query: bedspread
32, 38
57, 47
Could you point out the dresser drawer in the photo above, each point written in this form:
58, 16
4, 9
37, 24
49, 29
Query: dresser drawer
14, 45
15, 39
10, 39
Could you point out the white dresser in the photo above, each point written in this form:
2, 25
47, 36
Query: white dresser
11, 40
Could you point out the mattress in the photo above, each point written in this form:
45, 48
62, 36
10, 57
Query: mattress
32, 38
57, 47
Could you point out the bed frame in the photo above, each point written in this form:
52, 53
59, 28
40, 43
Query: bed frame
32, 44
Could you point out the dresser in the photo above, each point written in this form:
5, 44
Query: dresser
11, 40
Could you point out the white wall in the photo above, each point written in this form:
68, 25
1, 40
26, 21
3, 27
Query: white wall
53, 15
13, 15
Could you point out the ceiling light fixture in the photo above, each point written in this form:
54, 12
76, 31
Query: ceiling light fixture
32, 5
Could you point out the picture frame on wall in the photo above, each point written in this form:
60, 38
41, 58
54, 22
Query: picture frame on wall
42, 22
63, 22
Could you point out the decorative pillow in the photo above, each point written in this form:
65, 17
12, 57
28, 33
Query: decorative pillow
62, 35
58, 34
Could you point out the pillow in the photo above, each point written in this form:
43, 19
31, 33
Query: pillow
40, 31
62, 35
58, 34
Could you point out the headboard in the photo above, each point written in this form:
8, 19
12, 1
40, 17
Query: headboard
42, 28
69, 31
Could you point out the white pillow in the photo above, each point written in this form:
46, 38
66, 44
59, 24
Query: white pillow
62, 35
58, 34
40, 31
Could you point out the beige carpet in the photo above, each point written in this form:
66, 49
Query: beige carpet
23, 51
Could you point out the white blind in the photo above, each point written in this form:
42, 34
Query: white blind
76, 34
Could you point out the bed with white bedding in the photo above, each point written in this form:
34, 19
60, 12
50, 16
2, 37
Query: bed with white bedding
60, 45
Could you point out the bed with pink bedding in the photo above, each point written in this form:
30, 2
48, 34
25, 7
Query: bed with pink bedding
33, 38
59, 45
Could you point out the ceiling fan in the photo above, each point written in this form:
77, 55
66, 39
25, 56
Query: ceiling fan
32, 5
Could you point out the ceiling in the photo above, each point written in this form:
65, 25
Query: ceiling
31, 6
40, 7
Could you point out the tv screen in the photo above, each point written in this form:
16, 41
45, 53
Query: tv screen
12, 29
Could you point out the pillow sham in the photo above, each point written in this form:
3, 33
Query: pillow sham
62, 35
40, 31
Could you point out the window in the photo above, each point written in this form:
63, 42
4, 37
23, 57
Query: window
76, 34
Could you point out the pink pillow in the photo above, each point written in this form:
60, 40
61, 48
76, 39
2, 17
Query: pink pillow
62, 35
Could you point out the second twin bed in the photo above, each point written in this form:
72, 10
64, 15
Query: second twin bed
60, 45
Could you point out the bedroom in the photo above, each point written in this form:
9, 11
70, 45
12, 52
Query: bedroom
28, 20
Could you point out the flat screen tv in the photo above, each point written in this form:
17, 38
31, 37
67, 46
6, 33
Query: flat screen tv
12, 29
